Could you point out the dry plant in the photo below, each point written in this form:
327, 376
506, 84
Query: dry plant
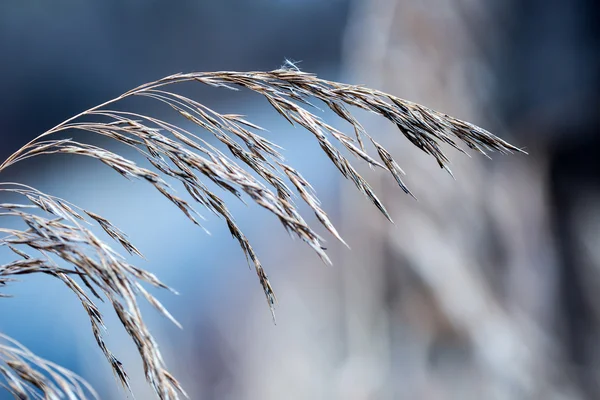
58, 242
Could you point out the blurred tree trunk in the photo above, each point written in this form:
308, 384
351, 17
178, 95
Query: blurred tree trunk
456, 299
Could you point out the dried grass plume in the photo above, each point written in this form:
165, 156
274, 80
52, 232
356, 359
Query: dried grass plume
58, 232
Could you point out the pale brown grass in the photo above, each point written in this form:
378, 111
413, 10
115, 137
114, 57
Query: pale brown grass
97, 271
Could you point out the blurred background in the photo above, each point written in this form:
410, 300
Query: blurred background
487, 287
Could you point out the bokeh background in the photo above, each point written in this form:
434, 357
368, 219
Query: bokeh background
486, 288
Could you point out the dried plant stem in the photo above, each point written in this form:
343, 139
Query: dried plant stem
180, 155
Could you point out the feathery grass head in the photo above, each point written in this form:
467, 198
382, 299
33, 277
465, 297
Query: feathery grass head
57, 232
27, 376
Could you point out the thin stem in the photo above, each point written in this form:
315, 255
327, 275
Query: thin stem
11, 159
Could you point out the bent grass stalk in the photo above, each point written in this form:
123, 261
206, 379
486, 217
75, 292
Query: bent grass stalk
98, 271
